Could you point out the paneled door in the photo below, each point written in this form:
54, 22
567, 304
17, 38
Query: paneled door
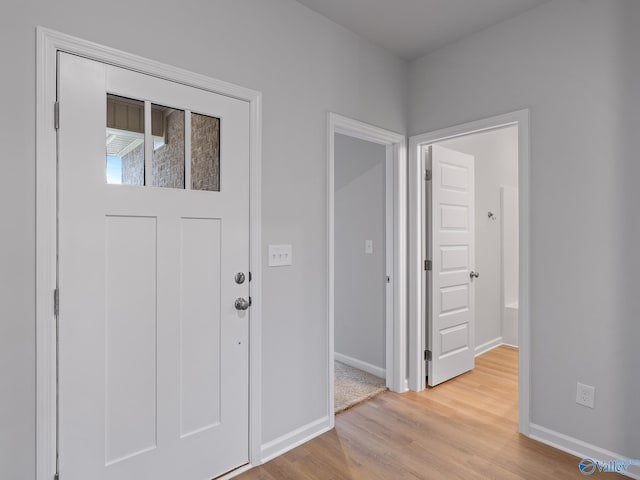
153, 228
451, 315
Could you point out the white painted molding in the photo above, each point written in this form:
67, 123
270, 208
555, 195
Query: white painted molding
46, 208
255, 286
389, 263
416, 332
49, 43
578, 448
396, 322
524, 295
417, 374
364, 131
291, 440
359, 364
488, 346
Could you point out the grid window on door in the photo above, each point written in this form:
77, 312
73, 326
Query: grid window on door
151, 144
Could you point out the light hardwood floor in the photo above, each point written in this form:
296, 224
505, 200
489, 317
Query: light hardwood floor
463, 429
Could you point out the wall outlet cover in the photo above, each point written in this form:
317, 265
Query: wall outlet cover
585, 395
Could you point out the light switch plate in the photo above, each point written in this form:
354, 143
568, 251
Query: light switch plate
368, 247
280, 255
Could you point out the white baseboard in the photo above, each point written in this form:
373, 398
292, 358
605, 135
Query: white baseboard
359, 364
578, 448
490, 345
291, 440
509, 345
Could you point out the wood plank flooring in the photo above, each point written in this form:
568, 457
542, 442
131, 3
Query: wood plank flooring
463, 429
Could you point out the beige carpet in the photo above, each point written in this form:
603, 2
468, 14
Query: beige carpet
354, 386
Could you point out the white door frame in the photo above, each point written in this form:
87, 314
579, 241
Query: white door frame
416, 331
396, 239
49, 43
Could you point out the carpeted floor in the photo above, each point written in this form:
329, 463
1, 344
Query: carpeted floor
353, 386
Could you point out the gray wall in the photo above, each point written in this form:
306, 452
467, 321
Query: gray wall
574, 63
496, 164
359, 216
305, 66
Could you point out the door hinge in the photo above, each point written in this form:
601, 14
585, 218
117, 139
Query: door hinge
427, 175
387, 279
428, 265
56, 476
427, 355
56, 115
56, 302
249, 276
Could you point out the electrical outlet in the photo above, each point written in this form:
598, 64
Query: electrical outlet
585, 395
280, 255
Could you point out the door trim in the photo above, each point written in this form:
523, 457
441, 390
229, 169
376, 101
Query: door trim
416, 333
396, 228
49, 43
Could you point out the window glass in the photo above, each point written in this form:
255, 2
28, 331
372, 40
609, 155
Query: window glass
167, 130
205, 152
125, 141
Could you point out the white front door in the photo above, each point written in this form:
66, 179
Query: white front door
450, 309
153, 353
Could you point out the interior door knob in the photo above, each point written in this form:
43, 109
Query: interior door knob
473, 275
242, 304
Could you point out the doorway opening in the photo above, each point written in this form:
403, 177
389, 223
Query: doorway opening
496, 234
469, 251
360, 270
366, 272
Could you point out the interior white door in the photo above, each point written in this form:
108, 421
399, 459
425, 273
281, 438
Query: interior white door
450, 309
153, 353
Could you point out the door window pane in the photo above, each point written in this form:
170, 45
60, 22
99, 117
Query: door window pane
205, 153
167, 130
125, 141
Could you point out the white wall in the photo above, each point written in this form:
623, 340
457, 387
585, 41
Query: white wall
305, 66
510, 265
359, 277
574, 63
510, 244
496, 164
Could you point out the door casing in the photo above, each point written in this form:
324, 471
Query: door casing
395, 234
49, 43
416, 331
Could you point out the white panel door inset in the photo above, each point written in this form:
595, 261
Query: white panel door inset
153, 354
450, 325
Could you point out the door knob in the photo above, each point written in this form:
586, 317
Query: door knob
473, 275
242, 304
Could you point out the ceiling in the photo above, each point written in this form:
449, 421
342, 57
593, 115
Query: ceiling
413, 28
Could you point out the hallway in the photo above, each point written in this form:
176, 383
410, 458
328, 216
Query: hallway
465, 428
